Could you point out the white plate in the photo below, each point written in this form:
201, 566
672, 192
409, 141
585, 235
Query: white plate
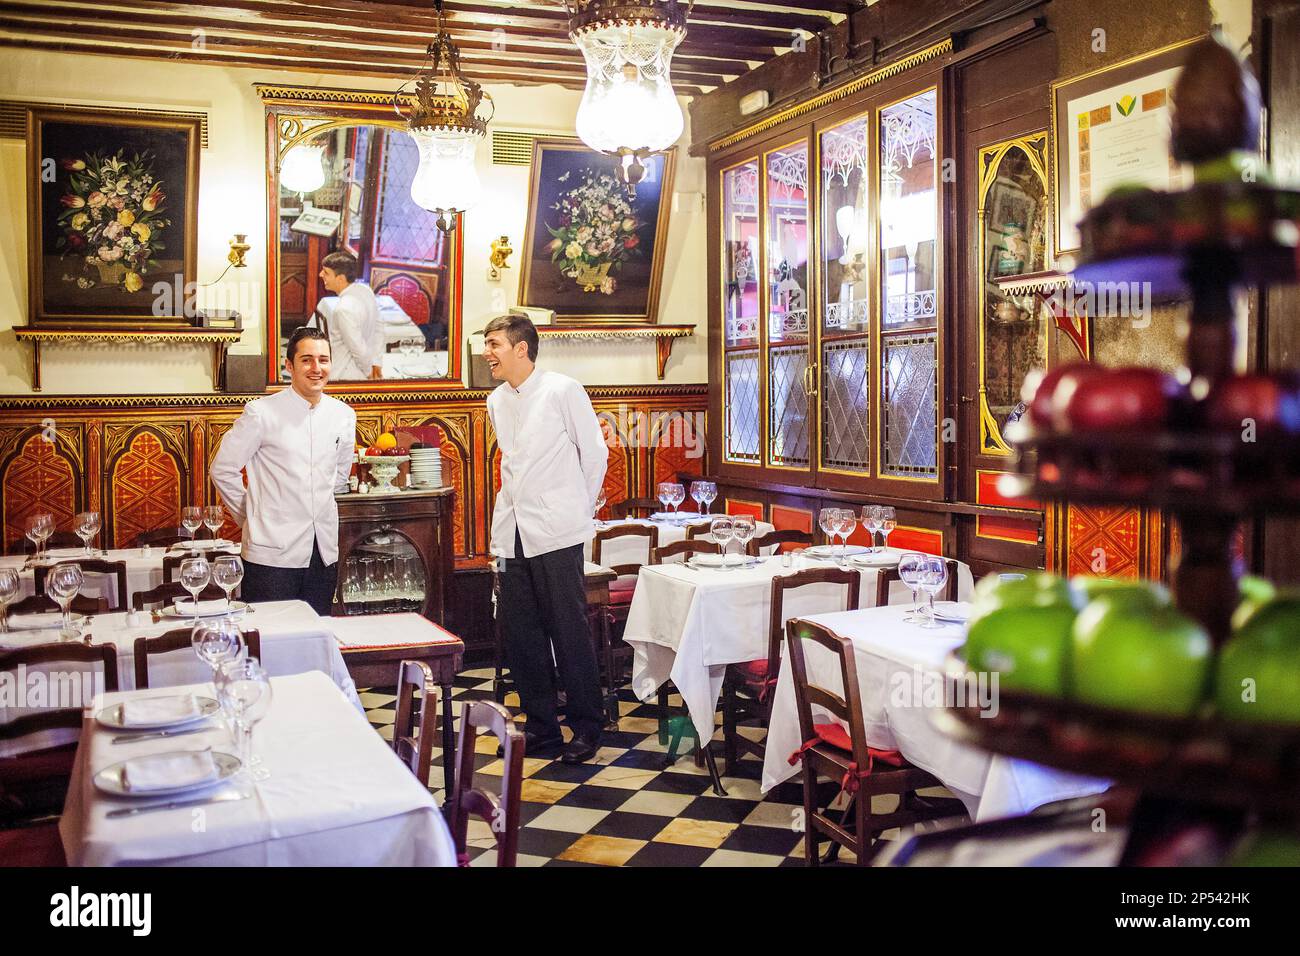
42, 620
111, 717
674, 515
179, 609
951, 612
885, 560
716, 561
111, 779
835, 550
208, 545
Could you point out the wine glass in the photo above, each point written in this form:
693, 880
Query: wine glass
888, 522
87, 526
192, 519
743, 528
10, 585
195, 573
227, 572
679, 495
933, 579
664, 492
697, 495
722, 528
600, 503
826, 521
214, 516
708, 494
216, 642
38, 527
910, 568
871, 521
245, 695
63, 584
846, 520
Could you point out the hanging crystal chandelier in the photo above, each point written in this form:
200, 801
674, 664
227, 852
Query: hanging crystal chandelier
445, 123
628, 109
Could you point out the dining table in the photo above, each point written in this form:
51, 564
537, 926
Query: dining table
322, 789
900, 672
632, 550
687, 623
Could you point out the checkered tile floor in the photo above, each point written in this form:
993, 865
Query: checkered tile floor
624, 808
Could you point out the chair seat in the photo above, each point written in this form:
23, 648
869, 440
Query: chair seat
621, 593
37, 766
32, 846
836, 737
754, 672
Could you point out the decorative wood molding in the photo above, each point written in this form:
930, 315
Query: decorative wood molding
664, 335
219, 339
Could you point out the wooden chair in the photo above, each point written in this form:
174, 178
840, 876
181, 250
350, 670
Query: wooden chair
629, 506
754, 546
698, 529
39, 603
413, 737
60, 539
169, 591
888, 575
117, 569
748, 688
843, 755
172, 564
613, 651
687, 547
175, 640
500, 813
34, 784
166, 537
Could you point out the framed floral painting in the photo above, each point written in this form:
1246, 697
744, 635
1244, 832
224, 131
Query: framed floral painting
112, 218
592, 253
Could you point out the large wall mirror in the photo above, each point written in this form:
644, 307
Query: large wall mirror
340, 166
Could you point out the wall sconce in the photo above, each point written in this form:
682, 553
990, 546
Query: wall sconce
238, 249
497, 260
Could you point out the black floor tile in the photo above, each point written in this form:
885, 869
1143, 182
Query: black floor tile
669, 854
597, 798
631, 826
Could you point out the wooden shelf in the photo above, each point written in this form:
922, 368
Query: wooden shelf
664, 336
219, 339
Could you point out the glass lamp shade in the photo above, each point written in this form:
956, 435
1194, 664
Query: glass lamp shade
303, 170
629, 104
447, 180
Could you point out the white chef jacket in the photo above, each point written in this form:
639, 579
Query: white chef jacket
553, 458
356, 334
297, 455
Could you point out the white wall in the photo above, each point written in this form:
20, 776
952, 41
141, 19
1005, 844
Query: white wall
232, 199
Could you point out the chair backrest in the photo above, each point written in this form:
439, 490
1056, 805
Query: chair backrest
754, 546
649, 532
500, 813
38, 603
412, 739
166, 537
687, 547
56, 653
174, 640
169, 591
889, 575
93, 566
849, 578
59, 539
698, 529
628, 506
848, 707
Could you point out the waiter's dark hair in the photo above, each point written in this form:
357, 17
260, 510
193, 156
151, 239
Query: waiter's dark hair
342, 264
518, 328
306, 332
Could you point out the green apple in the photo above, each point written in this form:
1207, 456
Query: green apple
1259, 668
1027, 645
1255, 593
1154, 660
1120, 590
1034, 589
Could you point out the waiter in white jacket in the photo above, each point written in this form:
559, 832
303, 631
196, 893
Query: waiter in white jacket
297, 447
553, 458
356, 329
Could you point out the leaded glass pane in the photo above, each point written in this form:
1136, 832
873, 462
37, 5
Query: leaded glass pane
910, 406
846, 224
789, 405
909, 214
742, 371
740, 239
846, 406
787, 245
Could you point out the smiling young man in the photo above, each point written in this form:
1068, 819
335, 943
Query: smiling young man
356, 331
553, 459
297, 447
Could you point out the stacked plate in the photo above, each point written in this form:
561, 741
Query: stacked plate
426, 467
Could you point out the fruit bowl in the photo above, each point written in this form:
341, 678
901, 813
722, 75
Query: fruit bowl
383, 469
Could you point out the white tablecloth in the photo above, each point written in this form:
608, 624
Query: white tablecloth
894, 661
333, 794
294, 639
633, 550
687, 624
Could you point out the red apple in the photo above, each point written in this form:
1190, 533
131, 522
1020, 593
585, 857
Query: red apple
402, 450
1122, 399
1271, 402
374, 451
1041, 391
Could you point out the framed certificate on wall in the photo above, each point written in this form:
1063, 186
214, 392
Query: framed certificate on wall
1111, 128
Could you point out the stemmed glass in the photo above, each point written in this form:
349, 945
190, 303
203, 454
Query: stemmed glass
743, 528
722, 528
87, 526
708, 494
63, 584
888, 522
697, 495
227, 572
664, 492
826, 519
38, 528
911, 567
195, 573
933, 578
871, 521
192, 519
216, 642
244, 692
846, 519
10, 585
679, 495
600, 503
214, 516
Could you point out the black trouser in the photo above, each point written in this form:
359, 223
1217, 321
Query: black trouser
313, 584
543, 602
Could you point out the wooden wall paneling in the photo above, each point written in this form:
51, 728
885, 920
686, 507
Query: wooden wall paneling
216, 429
94, 467
40, 465
457, 454
674, 439
146, 477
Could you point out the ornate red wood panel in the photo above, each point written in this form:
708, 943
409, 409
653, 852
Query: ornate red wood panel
39, 476
146, 478
1103, 541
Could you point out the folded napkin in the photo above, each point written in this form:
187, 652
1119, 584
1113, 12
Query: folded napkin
165, 771
152, 711
186, 606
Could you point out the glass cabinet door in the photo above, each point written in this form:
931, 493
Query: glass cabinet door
383, 574
785, 228
742, 357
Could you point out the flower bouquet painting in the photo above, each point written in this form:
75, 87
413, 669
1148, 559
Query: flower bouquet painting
594, 253
112, 209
